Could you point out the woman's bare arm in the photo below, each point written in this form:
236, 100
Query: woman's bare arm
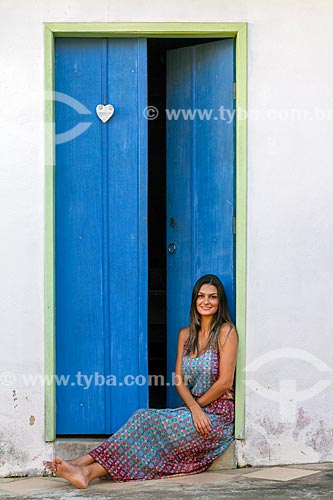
201, 420
182, 389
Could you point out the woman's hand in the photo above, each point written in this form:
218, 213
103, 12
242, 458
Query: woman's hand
201, 420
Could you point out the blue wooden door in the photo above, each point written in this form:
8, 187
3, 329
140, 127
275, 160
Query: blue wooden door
200, 180
101, 234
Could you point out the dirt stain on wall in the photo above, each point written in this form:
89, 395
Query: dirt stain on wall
15, 398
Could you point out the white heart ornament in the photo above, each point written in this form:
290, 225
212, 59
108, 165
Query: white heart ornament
104, 113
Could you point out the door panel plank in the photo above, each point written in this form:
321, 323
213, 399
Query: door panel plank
179, 200
101, 235
128, 223
200, 179
79, 243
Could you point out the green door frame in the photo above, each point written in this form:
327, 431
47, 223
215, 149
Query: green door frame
146, 30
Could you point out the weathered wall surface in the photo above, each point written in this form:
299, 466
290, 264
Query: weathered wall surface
289, 406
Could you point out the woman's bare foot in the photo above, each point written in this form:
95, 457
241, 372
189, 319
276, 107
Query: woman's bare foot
73, 473
49, 466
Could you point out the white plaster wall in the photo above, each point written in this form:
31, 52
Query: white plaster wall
290, 220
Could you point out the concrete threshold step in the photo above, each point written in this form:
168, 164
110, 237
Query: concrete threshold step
71, 448
68, 448
225, 461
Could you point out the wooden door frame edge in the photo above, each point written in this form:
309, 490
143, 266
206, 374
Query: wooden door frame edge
238, 31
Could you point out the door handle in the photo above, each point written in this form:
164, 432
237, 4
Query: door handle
172, 248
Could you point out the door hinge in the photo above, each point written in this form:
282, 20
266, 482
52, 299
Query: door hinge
235, 89
234, 223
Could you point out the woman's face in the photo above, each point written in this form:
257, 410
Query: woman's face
207, 302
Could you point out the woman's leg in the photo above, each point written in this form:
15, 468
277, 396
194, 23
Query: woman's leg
79, 476
84, 460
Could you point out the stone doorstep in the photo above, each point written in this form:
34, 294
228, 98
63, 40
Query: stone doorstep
71, 448
226, 461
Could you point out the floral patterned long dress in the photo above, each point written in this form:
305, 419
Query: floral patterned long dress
160, 443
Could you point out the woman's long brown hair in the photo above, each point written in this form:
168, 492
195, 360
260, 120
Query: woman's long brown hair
221, 316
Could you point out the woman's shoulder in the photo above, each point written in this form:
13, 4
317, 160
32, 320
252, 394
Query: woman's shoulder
225, 327
227, 330
184, 334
